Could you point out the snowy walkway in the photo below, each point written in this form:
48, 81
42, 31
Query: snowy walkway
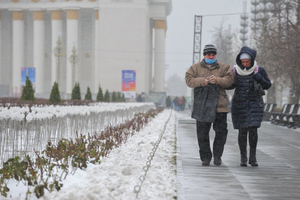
277, 177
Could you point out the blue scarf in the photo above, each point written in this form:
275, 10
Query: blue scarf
210, 61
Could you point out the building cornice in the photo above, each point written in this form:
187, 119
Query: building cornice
48, 5
167, 4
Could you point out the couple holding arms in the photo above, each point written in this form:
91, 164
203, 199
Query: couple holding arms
210, 78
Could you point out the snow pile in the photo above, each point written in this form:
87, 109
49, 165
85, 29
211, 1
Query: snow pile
46, 112
22, 130
118, 174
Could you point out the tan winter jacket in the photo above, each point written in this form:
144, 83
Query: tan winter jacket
196, 74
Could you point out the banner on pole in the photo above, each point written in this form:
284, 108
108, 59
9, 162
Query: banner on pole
27, 71
129, 83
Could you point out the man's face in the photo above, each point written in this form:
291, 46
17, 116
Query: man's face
246, 62
210, 56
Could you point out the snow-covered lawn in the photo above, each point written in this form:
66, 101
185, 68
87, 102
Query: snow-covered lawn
119, 174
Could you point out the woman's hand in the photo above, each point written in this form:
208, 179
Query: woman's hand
255, 69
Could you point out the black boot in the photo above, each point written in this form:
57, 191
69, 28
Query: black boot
242, 139
221, 131
253, 144
252, 158
244, 160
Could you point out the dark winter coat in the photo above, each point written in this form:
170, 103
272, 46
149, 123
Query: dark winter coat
196, 74
247, 106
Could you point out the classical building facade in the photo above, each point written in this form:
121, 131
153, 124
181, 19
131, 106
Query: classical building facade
90, 42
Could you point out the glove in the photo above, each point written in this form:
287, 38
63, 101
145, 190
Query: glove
256, 69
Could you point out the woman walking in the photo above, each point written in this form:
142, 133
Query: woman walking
247, 102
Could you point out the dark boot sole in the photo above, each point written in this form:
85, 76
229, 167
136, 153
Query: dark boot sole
217, 161
205, 163
253, 164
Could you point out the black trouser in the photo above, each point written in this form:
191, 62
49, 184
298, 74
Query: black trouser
220, 128
242, 139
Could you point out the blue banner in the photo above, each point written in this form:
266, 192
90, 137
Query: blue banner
27, 71
128, 80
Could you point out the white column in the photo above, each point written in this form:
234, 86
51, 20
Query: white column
39, 50
56, 32
0, 49
72, 40
17, 51
96, 53
151, 66
159, 59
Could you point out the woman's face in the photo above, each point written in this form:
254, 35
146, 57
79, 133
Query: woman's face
246, 62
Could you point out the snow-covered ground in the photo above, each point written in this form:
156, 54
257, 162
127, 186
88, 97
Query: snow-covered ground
119, 175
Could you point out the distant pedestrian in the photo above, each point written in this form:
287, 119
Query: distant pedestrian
172, 104
189, 103
175, 103
183, 103
139, 98
179, 103
247, 104
209, 78
168, 102
143, 96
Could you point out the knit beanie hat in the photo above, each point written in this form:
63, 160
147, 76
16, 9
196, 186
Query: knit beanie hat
245, 56
209, 48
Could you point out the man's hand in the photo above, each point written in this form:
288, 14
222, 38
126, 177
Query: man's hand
212, 79
206, 81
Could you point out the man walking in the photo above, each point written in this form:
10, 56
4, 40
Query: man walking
209, 78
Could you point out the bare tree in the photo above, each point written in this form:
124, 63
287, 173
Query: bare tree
223, 40
277, 30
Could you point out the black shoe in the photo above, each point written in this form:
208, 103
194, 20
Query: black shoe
243, 164
243, 161
217, 161
254, 164
252, 161
205, 163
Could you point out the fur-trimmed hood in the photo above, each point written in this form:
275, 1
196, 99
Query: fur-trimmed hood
251, 52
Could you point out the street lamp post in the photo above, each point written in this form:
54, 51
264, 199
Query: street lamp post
58, 53
73, 60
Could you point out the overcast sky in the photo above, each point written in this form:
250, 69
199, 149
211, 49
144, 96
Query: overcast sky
180, 28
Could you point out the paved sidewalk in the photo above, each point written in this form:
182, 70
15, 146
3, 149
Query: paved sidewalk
277, 177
